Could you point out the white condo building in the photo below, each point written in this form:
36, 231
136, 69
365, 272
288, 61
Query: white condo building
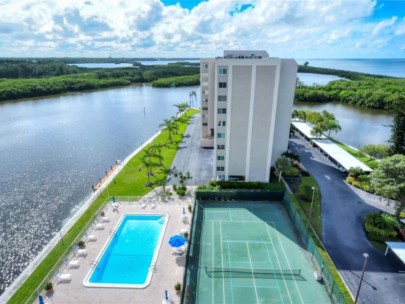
246, 103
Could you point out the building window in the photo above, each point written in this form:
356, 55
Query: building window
220, 135
222, 85
205, 65
220, 157
205, 124
221, 123
205, 83
221, 111
220, 168
206, 100
222, 71
222, 97
205, 108
220, 147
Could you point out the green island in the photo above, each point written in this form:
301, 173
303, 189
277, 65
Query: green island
131, 181
371, 91
27, 79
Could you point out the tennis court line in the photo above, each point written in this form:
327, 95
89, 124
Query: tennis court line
229, 261
251, 267
213, 279
279, 265
245, 241
222, 260
258, 286
272, 265
288, 262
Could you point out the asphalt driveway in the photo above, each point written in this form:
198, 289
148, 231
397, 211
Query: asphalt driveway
343, 210
191, 157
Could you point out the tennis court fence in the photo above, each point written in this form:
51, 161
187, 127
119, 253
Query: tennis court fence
330, 283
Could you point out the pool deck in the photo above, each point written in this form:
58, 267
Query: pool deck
168, 271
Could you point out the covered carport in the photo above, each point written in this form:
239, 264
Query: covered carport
398, 248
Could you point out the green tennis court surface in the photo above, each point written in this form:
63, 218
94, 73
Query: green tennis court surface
249, 253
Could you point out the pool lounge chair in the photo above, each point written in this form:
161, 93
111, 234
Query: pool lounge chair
73, 264
153, 205
143, 205
99, 226
91, 238
63, 278
114, 206
81, 252
105, 219
184, 219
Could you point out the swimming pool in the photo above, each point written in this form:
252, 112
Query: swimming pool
128, 255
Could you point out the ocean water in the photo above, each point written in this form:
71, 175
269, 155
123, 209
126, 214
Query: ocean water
389, 67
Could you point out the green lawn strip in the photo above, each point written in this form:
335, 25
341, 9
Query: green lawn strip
328, 261
129, 182
357, 154
177, 81
316, 217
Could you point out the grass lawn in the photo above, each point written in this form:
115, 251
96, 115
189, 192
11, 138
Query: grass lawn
129, 182
316, 237
305, 204
357, 154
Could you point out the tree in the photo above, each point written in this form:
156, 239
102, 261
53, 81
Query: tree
376, 151
398, 127
332, 125
171, 126
181, 107
148, 159
306, 63
389, 180
317, 130
282, 164
183, 177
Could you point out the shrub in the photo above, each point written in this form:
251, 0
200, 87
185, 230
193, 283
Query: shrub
292, 172
402, 215
350, 180
212, 183
181, 191
380, 227
174, 187
355, 172
48, 286
305, 173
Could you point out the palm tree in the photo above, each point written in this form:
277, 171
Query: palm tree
170, 126
157, 149
282, 164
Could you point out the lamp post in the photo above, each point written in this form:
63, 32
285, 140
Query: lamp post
366, 256
312, 205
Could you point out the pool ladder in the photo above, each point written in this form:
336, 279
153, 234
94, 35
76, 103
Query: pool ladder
153, 267
93, 264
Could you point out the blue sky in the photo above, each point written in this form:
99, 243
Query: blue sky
202, 28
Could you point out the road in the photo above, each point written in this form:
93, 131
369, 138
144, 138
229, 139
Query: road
343, 210
191, 157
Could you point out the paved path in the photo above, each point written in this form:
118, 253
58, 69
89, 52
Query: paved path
343, 211
191, 157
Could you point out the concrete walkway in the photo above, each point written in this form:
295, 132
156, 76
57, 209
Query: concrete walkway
191, 157
343, 210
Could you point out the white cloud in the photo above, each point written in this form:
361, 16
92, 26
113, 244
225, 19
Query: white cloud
148, 28
383, 25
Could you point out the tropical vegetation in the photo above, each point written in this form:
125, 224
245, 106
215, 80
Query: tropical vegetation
33, 79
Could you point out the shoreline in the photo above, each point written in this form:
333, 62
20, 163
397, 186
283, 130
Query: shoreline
70, 222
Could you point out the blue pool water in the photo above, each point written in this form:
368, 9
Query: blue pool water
128, 256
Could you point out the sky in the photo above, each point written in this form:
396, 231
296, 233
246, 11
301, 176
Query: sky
202, 28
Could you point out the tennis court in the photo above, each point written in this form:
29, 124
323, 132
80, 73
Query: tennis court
249, 253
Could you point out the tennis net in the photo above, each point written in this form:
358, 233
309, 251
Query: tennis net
249, 272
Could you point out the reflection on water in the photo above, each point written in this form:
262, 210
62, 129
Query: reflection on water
53, 149
360, 126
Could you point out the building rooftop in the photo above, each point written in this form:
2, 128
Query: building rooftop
245, 54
